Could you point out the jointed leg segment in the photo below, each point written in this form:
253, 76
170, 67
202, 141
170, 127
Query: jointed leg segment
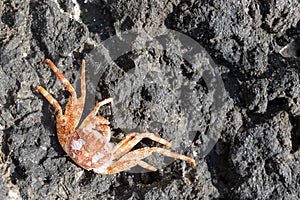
50, 99
61, 77
101, 103
75, 105
123, 165
130, 140
147, 151
130, 159
94, 112
135, 157
82, 86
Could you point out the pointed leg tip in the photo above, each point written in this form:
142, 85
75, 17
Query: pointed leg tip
46, 61
35, 88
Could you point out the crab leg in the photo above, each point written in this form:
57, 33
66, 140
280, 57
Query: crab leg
99, 104
92, 115
146, 166
50, 99
61, 77
130, 140
75, 105
81, 99
147, 151
123, 165
135, 157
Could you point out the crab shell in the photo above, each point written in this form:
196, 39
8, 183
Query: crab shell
89, 149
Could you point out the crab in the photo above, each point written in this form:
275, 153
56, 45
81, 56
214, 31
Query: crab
88, 144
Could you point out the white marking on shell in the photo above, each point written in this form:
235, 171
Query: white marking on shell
74, 155
78, 144
96, 157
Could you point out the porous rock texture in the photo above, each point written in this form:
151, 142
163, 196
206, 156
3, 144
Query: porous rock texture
255, 154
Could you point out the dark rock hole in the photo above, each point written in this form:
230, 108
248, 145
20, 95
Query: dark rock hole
296, 135
125, 62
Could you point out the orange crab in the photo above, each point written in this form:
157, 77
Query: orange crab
89, 145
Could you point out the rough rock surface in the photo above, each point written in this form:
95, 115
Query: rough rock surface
256, 155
